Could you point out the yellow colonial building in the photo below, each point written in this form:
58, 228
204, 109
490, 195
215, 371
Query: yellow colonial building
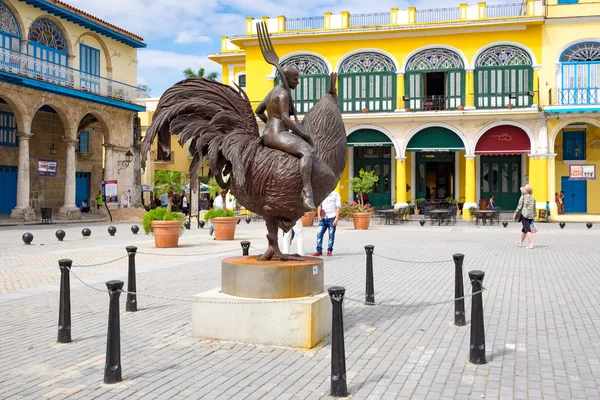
470, 101
68, 93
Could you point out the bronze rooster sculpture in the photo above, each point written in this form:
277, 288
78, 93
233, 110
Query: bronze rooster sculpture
219, 123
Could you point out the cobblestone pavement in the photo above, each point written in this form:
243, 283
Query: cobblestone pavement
541, 318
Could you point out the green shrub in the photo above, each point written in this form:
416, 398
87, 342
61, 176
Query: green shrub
217, 212
160, 214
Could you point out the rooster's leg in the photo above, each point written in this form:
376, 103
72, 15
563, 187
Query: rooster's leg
273, 252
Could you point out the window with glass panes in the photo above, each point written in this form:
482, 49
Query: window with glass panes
47, 44
423, 72
367, 81
9, 32
242, 80
89, 64
314, 81
503, 76
8, 129
573, 144
84, 142
580, 80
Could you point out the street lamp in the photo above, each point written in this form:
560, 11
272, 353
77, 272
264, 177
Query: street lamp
125, 163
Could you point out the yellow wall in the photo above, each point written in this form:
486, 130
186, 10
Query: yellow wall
469, 44
592, 156
124, 70
582, 9
462, 162
408, 175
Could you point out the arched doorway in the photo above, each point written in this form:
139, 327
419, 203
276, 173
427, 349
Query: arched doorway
9, 152
435, 151
501, 150
372, 151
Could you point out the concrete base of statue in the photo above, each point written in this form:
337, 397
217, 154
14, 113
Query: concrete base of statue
282, 303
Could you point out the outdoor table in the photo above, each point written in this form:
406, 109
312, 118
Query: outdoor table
388, 214
437, 215
485, 214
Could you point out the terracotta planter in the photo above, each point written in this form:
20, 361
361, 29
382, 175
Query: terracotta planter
308, 219
166, 233
416, 211
460, 108
361, 220
224, 227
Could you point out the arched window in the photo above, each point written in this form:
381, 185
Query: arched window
47, 43
367, 81
580, 65
9, 30
435, 80
314, 81
503, 75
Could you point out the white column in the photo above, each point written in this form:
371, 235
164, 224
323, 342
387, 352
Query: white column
393, 156
69, 209
109, 153
23, 210
413, 176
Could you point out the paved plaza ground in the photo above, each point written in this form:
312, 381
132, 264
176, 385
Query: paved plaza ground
541, 317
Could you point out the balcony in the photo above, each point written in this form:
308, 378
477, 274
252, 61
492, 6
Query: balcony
575, 96
40, 73
506, 10
162, 158
373, 19
438, 15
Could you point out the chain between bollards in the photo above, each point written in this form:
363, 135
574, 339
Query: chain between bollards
477, 353
245, 247
370, 285
112, 367
459, 291
64, 305
131, 304
339, 387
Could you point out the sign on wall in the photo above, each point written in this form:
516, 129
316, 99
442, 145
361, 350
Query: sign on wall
111, 191
582, 172
47, 167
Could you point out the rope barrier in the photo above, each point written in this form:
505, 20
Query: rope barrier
411, 262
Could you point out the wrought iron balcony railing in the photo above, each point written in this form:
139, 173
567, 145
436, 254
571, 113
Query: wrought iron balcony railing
56, 74
501, 100
433, 103
438, 15
506, 10
373, 19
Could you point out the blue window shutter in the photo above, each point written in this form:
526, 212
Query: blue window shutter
574, 145
567, 1
8, 129
84, 142
89, 62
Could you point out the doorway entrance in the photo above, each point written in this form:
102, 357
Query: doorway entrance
8, 183
435, 88
575, 195
501, 177
435, 175
377, 159
82, 187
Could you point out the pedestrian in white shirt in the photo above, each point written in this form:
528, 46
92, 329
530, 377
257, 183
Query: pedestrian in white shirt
329, 214
298, 234
218, 205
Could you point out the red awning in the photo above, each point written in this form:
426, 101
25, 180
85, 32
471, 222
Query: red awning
503, 140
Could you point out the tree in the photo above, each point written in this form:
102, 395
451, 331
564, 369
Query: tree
169, 182
363, 183
189, 73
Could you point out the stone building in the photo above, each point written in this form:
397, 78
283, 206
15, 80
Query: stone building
68, 91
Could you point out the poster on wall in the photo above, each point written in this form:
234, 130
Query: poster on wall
47, 167
111, 191
582, 172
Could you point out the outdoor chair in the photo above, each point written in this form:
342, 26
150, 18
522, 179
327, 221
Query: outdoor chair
46, 215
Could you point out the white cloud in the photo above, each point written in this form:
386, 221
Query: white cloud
191, 37
172, 60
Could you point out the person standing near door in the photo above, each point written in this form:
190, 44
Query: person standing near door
99, 199
561, 202
329, 213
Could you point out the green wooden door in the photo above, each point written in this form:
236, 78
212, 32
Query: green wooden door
501, 177
376, 159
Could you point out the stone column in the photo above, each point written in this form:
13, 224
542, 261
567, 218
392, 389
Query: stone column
541, 192
69, 210
401, 182
23, 210
470, 185
109, 152
136, 189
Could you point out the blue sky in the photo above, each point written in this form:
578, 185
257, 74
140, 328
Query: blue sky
181, 34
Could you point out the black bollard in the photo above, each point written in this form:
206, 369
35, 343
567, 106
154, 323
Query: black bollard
370, 289
27, 238
60, 235
86, 232
112, 230
589, 225
135, 229
422, 222
201, 224
504, 224
339, 386
459, 291
64, 305
131, 304
477, 355
112, 367
248, 220
245, 247
562, 225
187, 225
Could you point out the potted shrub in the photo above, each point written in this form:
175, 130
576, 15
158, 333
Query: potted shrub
224, 222
361, 185
460, 108
419, 203
308, 219
165, 225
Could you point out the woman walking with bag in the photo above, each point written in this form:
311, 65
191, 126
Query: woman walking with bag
525, 213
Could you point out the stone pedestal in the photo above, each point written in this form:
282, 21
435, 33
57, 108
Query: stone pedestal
70, 212
265, 302
23, 213
303, 323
